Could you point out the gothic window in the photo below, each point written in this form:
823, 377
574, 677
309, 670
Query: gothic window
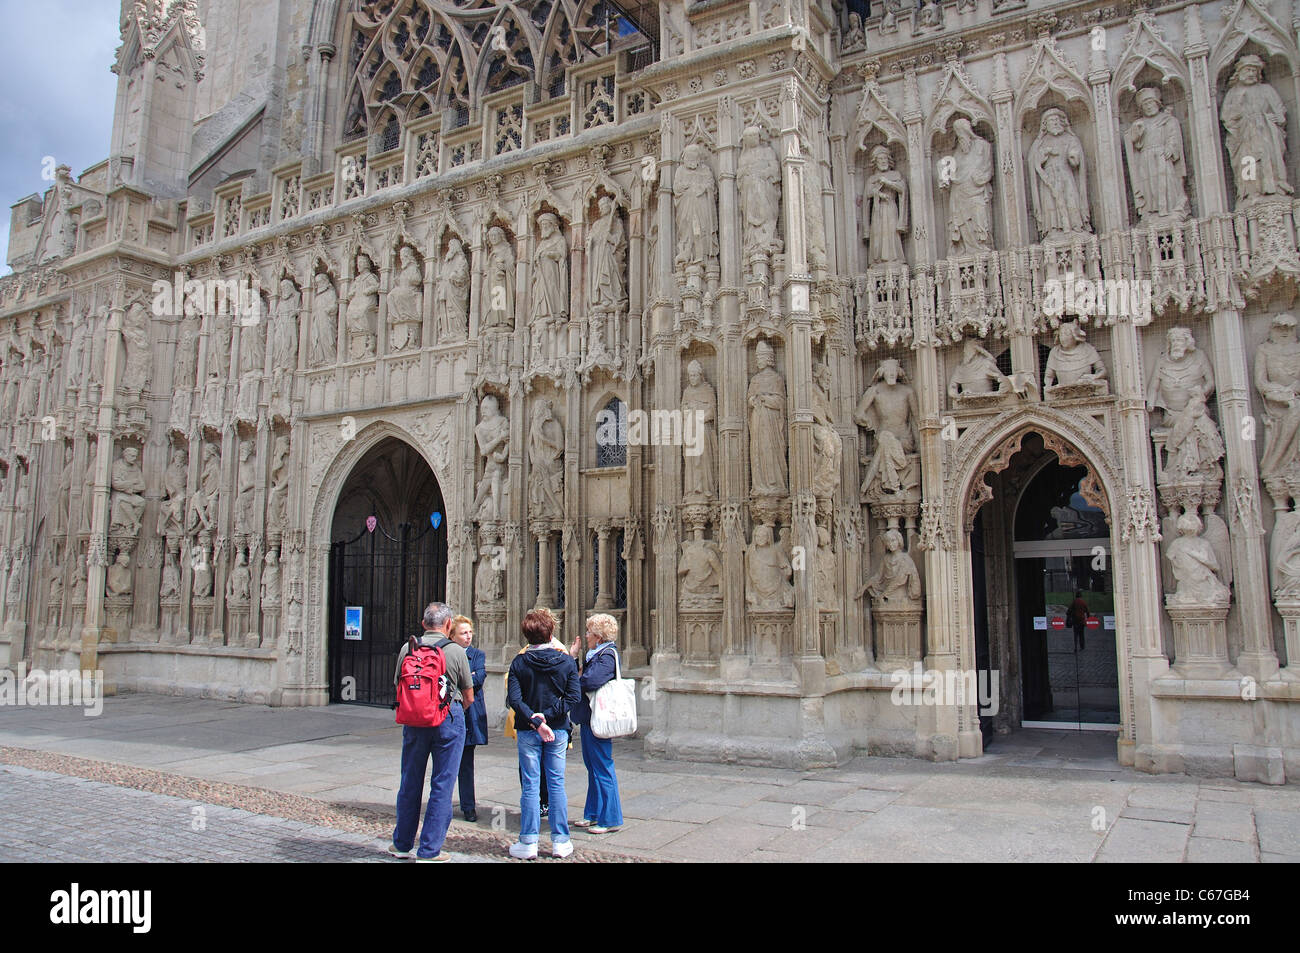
620, 572
559, 573
611, 435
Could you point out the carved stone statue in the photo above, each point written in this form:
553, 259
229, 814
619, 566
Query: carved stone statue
758, 179
206, 500
77, 349
607, 260
1255, 120
363, 310
270, 580
15, 597
171, 575
1157, 171
825, 585
699, 572
451, 294
491, 501
277, 499
768, 585
80, 573
550, 301
977, 374
246, 490
545, 464
54, 594
284, 329
61, 504
187, 356
1195, 447
970, 192
1195, 567
201, 564
767, 426
324, 320
489, 581
406, 302
1182, 372
1058, 179
699, 416
88, 490
895, 583
828, 446
1277, 377
126, 508
1074, 368
119, 582
252, 349
695, 206
884, 210
171, 513
498, 281
855, 37
139, 352
240, 584
888, 409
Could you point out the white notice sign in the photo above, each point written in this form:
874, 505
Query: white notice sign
1040, 622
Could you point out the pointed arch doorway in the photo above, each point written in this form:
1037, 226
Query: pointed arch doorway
382, 573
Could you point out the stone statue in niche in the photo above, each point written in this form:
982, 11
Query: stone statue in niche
884, 210
1074, 368
324, 321
895, 584
977, 377
284, 329
824, 583
201, 564
246, 490
828, 446
1195, 567
545, 464
768, 585
550, 298
363, 310
970, 192
271, 579
207, 496
1255, 120
61, 505
252, 349
699, 415
54, 594
1153, 146
489, 579
699, 572
171, 514
499, 281
695, 206
1277, 377
118, 581
491, 500
88, 489
239, 587
139, 352
171, 574
406, 303
767, 425
126, 509
77, 348
219, 345
17, 582
80, 572
184, 376
1195, 447
606, 276
1182, 372
814, 211
277, 499
758, 178
451, 293
888, 409
855, 38
1058, 179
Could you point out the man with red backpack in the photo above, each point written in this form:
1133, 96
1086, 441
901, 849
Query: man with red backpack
433, 691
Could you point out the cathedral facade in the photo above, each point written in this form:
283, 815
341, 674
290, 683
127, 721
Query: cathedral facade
899, 375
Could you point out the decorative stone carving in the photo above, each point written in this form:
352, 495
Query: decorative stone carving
1058, 179
499, 282
606, 276
1277, 377
271, 580
363, 310
1153, 146
451, 293
977, 380
489, 580
828, 446
201, 566
491, 500
324, 321
884, 210
695, 205
406, 302
1181, 373
246, 490
284, 336
767, 425
139, 349
170, 588
126, 509
1255, 120
699, 414
118, 577
171, 512
206, 500
896, 582
15, 594
970, 192
825, 582
277, 500
545, 463
1195, 567
888, 409
699, 572
239, 585
768, 575
758, 180
550, 297
61, 499
1074, 368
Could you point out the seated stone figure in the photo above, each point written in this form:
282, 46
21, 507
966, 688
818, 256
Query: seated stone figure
1074, 368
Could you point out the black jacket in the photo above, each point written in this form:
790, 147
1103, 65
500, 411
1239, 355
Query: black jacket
543, 681
601, 669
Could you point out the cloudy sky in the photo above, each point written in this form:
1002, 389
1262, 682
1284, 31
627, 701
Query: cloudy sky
56, 92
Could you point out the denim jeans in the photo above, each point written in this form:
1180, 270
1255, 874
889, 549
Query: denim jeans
603, 804
444, 743
532, 752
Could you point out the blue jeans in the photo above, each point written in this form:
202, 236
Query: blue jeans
532, 752
444, 744
603, 805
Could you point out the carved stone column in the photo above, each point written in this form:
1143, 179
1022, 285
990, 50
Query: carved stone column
605, 570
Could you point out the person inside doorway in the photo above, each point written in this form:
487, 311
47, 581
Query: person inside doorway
1078, 618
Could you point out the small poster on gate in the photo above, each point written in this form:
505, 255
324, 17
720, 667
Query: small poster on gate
1109, 621
352, 623
1040, 622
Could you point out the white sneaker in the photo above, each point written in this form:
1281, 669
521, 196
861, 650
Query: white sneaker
562, 849
523, 851
399, 854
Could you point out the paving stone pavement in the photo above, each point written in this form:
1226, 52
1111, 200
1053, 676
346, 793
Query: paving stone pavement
1036, 795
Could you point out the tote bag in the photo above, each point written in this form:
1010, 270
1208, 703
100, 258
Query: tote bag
613, 706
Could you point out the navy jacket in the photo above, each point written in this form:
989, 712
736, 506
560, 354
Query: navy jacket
542, 681
476, 717
599, 670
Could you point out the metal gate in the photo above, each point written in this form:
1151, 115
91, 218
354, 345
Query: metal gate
390, 579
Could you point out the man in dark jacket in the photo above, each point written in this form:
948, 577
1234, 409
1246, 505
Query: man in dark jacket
541, 689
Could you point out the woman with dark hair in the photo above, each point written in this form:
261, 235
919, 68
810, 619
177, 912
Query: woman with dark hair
541, 689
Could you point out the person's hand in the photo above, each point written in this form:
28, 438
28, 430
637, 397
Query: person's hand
546, 733
573, 649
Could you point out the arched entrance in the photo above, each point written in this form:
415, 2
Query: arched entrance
1043, 582
387, 562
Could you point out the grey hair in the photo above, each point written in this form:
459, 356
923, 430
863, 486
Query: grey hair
437, 614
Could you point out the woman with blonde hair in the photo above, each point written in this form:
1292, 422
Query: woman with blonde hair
462, 633
603, 812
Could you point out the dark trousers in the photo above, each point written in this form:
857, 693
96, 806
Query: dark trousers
543, 793
1078, 635
466, 780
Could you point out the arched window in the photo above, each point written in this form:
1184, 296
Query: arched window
611, 435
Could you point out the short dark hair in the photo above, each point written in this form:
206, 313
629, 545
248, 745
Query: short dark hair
538, 625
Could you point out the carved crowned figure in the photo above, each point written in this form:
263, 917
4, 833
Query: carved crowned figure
884, 210
1255, 120
767, 425
699, 415
1058, 179
1157, 171
970, 192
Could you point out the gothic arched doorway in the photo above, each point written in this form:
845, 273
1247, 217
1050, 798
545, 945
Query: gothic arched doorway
1045, 614
387, 562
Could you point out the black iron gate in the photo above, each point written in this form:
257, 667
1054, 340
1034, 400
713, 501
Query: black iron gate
390, 579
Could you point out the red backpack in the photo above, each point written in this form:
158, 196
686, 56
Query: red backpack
423, 695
